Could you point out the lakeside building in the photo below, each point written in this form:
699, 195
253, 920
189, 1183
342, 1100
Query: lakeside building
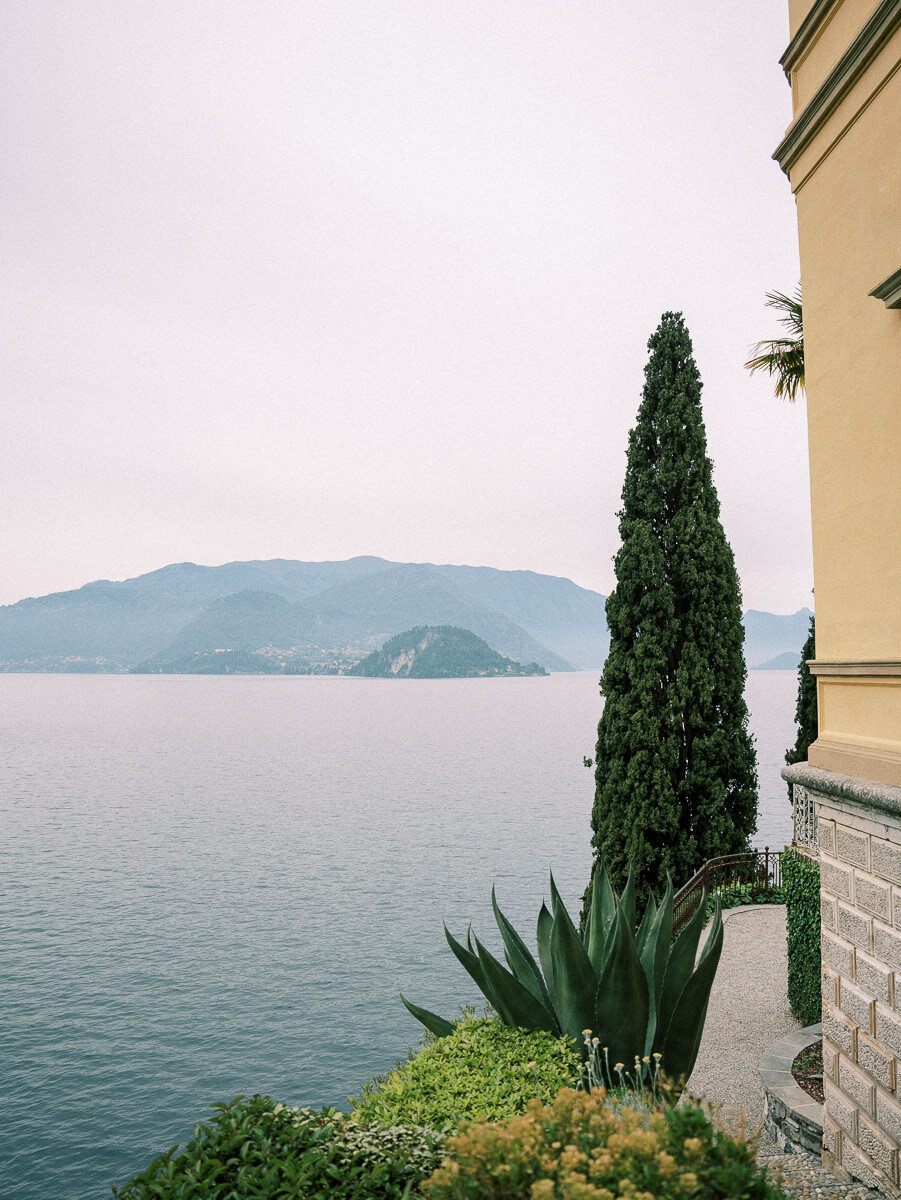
842, 155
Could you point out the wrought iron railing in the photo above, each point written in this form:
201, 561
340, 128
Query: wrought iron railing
805, 832
758, 868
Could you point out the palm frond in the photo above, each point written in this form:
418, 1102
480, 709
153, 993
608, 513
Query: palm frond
783, 358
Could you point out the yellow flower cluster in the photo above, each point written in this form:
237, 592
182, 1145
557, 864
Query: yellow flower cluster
581, 1147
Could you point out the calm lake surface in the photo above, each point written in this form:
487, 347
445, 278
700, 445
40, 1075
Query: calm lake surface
217, 885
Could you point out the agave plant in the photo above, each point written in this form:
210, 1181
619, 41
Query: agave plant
637, 991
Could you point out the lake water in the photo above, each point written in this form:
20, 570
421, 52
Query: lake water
217, 885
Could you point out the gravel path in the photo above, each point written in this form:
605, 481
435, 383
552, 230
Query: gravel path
748, 1012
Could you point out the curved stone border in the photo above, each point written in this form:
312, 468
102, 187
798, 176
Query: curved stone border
793, 1119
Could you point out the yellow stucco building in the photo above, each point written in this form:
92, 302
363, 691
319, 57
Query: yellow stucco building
842, 155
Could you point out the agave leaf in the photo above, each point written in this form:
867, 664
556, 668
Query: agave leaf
432, 1021
543, 938
575, 980
679, 967
683, 1037
519, 957
470, 962
627, 899
650, 912
654, 958
555, 896
600, 918
715, 921
608, 900
621, 1001
520, 1007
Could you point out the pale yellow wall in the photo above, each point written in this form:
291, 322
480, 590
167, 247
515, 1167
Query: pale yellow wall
848, 190
797, 11
828, 44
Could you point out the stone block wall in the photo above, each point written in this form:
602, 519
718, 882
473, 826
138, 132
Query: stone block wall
859, 828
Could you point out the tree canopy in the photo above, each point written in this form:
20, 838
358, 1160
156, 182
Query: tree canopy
676, 778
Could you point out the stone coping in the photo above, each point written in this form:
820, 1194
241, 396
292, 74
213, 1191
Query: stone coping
881, 796
792, 1118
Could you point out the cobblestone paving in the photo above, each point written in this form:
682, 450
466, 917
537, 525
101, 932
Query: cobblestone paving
804, 1175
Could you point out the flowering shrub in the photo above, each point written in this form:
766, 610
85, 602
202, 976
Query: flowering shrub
593, 1147
483, 1071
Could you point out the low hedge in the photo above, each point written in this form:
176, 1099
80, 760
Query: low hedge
583, 1147
483, 1071
256, 1149
801, 887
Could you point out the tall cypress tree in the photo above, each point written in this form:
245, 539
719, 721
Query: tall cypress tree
806, 709
676, 775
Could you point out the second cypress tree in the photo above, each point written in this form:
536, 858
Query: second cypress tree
806, 709
676, 776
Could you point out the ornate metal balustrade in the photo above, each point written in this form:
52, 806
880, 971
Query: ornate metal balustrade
757, 868
805, 832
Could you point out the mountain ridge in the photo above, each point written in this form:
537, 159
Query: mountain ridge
331, 612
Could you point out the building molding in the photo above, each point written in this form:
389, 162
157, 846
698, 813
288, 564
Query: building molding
889, 290
874, 35
807, 30
880, 796
870, 764
869, 669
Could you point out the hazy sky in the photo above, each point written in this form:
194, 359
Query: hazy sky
303, 279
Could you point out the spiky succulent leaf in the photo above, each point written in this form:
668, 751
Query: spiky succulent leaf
470, 962
679, 967
520, 1008
647, 920
543, 938
627, 899
600, 918
432, 1021
654, 958
555, 896
683, 1037
608, 899
621, 1000
575, 980
522, 963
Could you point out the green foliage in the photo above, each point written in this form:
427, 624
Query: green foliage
676, 777
589, 1147
439, 652
783, 358
639, 993
258, 1150
482, 1071
801, 885
735, 894
806, 709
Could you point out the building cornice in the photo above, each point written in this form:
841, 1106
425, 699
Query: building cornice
881, 666
810, 26
880, 796
883, 22
889, 290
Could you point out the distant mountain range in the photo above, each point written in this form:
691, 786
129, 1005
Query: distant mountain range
322, 616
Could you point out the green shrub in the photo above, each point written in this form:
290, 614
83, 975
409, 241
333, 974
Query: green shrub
482, 1071
735, 894
585, 1147
801, 885
254, 1148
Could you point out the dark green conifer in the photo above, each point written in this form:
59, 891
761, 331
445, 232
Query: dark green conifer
675, 765
806, 709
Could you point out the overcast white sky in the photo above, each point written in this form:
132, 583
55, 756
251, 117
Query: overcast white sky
317, 278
